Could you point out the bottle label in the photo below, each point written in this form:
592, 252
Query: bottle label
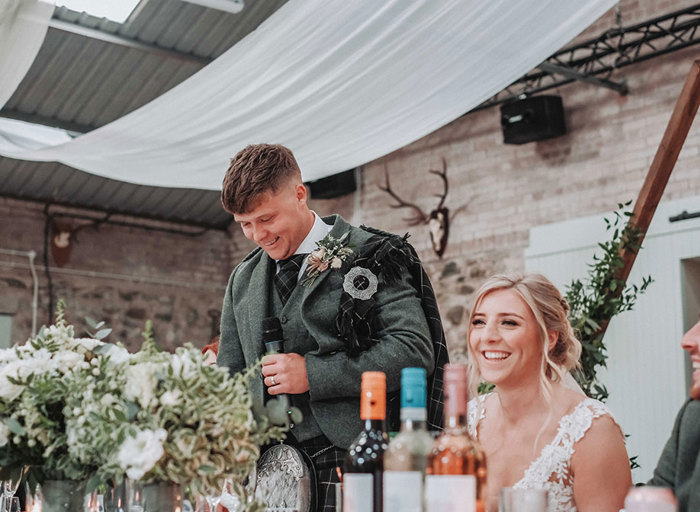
358, 495
450, 493
403, 491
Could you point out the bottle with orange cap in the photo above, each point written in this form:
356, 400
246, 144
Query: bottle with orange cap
363, 477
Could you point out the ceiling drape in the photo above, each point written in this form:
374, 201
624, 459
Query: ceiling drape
23, 26
339, 82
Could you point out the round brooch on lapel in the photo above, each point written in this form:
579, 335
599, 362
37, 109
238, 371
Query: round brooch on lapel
360, 283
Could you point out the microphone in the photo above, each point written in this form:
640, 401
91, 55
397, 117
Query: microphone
272, 335
274, 344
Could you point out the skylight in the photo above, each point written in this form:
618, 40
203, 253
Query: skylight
115, 10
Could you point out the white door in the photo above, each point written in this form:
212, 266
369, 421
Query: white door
647, 374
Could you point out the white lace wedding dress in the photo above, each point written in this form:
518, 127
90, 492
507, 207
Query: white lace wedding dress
552, 469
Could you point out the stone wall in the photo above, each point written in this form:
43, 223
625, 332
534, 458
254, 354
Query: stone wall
124, 275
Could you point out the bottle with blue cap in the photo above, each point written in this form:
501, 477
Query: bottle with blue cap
406, 458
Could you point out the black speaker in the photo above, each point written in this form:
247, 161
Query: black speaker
333, 186
534, 118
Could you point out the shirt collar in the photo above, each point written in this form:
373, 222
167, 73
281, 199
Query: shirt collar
318, 231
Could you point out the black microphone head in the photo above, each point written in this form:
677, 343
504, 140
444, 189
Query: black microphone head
271, 329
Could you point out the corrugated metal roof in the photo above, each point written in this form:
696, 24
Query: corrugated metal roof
91, 71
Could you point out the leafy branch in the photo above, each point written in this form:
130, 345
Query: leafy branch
603, 295
95, 330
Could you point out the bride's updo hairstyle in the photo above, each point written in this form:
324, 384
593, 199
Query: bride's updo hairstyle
550, 310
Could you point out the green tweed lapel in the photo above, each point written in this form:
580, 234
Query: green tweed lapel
258, 304
340, 227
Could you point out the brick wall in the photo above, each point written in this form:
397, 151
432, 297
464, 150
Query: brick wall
506, 189
122, 275
125, 275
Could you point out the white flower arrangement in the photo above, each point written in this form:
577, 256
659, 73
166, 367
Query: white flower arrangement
37, 385
73, 408
172, 418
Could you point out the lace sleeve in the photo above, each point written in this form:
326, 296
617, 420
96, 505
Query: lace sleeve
580, 421
475, 413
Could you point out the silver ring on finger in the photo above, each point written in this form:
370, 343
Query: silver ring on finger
272, 379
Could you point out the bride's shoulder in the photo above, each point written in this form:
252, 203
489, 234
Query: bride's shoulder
593, 419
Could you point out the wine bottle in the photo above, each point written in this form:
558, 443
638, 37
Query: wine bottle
406, 458
363, 477
456, 464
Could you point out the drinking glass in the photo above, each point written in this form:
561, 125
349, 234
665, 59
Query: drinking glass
229, 499
522, 500
13, 505
9, 488
34, 500
208, 501
650, 499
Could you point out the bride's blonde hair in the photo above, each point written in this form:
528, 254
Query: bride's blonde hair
550, 310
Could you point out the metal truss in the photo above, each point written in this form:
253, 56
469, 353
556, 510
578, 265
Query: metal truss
595, 60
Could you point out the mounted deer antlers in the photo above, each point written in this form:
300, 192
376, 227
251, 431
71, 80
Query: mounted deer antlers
438, 220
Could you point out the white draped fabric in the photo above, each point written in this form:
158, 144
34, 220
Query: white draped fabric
339, 82
23, 25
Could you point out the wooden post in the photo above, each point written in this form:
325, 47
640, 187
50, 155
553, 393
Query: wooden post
661, 167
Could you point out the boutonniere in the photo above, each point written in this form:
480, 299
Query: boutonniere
331, 253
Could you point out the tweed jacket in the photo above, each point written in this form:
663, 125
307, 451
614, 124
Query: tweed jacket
679, 464
403, 336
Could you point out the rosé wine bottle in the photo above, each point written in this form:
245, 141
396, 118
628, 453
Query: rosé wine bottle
457, 464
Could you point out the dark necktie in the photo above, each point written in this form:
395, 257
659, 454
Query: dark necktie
286, 278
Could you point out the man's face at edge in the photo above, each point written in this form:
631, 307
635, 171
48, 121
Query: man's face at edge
691, 344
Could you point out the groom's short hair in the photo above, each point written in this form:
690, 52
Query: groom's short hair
255, 170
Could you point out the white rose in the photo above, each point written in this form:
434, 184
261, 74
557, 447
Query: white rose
183, 364
7, 355
117, 355
137, 455
41, 366
16, 369
66, 360
88, 343
107, 399
336, 262
4, 434
141, 383
41, 354
170, 398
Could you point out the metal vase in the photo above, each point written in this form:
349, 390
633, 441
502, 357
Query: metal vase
64, 496
153, 497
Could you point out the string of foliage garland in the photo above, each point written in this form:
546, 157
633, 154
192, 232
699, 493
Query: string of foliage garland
595, 301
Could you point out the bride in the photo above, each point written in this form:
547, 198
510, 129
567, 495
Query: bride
535, 431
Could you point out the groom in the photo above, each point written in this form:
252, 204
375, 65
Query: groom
327, 344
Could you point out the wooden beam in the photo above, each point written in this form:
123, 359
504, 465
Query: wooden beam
664, 161
661, 167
